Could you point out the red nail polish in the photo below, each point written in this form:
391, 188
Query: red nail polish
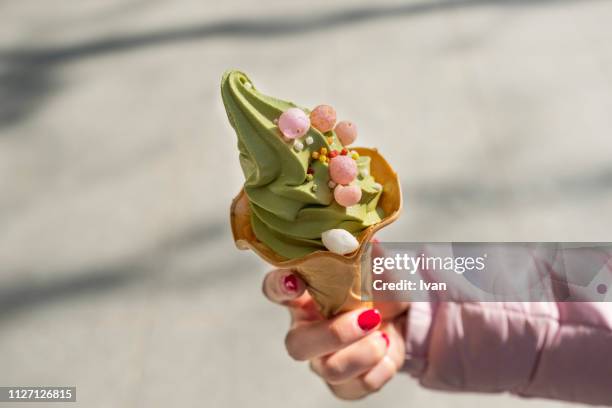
290, 283
375, 241
386, 337
368, 319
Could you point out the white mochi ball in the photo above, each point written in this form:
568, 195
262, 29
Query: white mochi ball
339, 241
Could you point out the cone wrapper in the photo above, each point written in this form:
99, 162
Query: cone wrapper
334, 281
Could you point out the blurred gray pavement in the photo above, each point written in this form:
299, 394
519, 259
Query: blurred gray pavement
117, 167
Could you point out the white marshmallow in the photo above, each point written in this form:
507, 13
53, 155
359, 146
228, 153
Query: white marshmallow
339, 241
309, 140
298, 146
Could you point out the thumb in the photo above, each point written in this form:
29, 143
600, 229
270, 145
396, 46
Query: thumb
286, 288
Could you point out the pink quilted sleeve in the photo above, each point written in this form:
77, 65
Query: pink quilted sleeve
551, 350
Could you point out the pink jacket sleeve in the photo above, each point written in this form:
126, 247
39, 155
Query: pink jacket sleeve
551, 350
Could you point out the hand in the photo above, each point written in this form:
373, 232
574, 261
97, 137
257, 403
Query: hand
355, 353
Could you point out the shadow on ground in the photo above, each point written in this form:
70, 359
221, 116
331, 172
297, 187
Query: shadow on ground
160, 260
146, 266
28, 74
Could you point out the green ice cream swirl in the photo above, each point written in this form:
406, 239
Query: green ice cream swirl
289, 211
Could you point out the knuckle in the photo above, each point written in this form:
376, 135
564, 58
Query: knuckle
370, 385
375, 348
334, 390
292, 346
331, 370
337, 333
343, 395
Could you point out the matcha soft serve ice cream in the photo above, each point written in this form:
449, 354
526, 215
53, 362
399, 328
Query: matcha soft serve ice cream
310, 202
300, 179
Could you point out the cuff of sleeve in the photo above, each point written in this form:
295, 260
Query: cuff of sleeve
418, 327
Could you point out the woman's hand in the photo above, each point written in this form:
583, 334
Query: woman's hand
355, 353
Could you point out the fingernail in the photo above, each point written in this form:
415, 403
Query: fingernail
290, 283
375, 241
369, 319
386, 337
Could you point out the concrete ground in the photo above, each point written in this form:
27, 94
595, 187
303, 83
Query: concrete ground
117, 166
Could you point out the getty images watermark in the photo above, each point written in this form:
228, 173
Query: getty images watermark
487, 272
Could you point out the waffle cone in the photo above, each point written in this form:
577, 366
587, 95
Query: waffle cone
334, 281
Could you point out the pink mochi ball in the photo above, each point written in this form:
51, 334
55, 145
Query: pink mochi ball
346, 132
342, 169
347, 195
323, 118
293, 123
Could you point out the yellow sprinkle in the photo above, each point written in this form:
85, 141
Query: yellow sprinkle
315, 155
355, 155
330, 140
324, 151
322, 159
309, 177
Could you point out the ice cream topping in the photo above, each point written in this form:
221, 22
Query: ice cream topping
340, 241
287, 165
342, 169
323, 118
293, 123
346, 132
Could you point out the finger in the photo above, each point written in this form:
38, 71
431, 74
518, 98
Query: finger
388, 308
368, 383
391, 308
352, 361
308, 340
282, 286
374, 379
377, 249
396, 349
